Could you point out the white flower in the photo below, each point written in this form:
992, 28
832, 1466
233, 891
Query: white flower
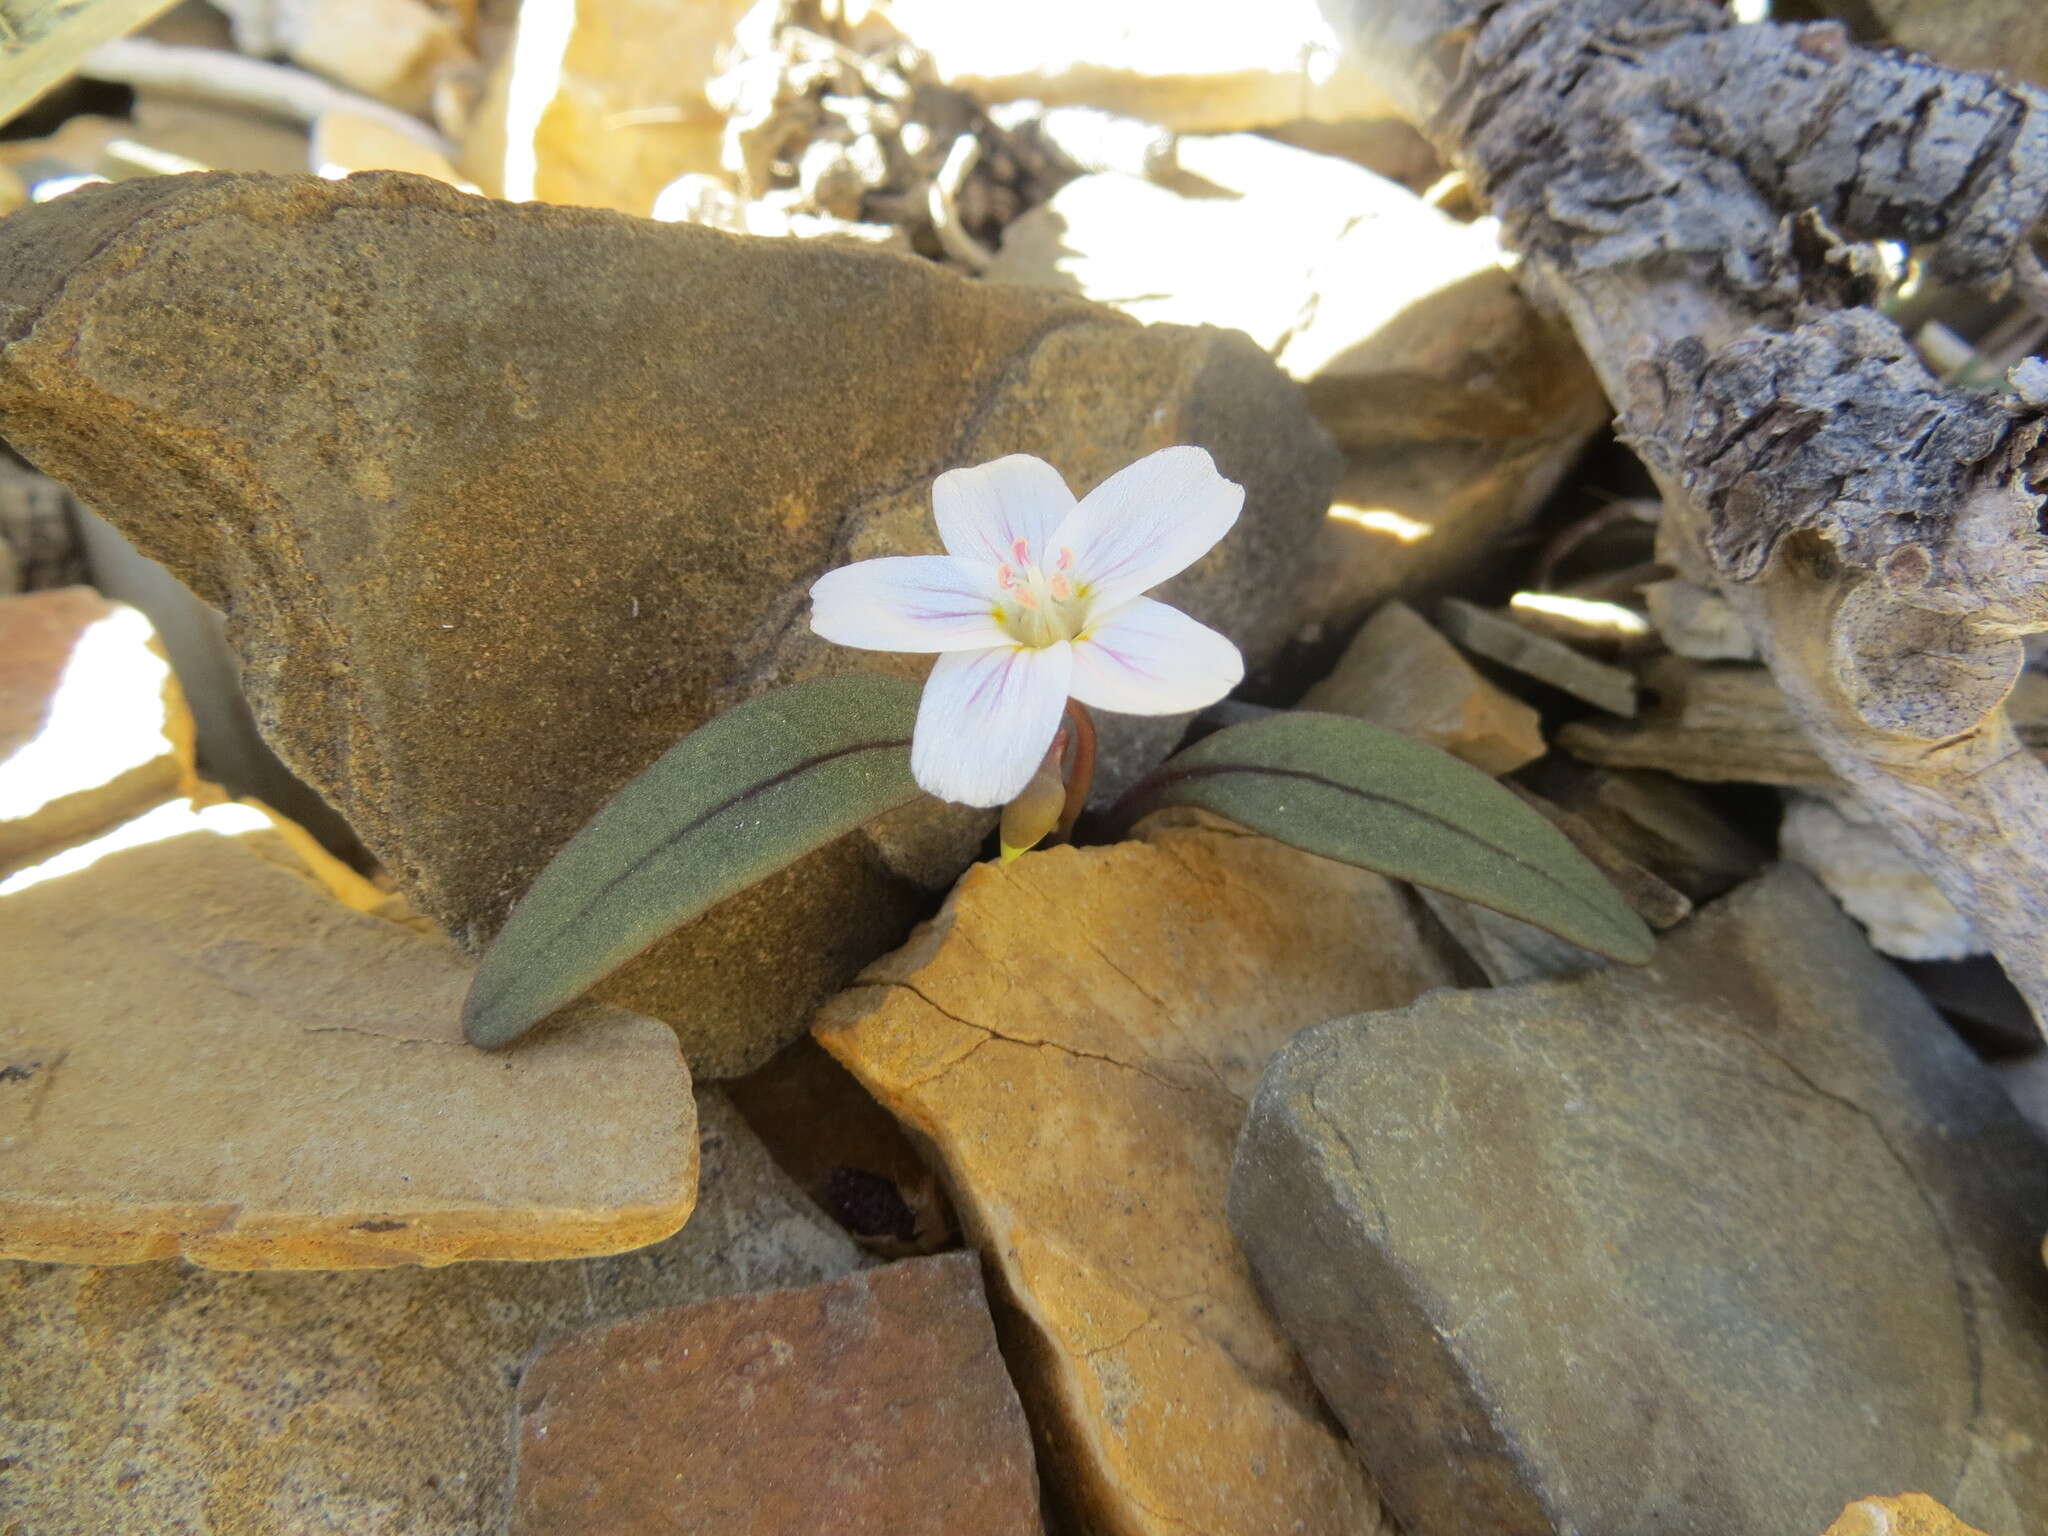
1036, 601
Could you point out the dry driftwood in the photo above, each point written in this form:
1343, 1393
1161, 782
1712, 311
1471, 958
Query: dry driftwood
1688, 192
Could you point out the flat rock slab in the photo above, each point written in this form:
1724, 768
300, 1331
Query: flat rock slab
873, 1405
93, 727
1075, 1036
1715, 1245
1549, 660
1400, 673
517, 496
156, 1398
203, 1054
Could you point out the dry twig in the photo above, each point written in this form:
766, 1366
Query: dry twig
1688, 192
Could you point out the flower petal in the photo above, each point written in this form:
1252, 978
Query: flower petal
1148, 521
984, 511
986, 721
908, 603
1149, 659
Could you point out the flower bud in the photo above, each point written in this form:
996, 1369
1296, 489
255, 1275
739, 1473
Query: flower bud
1032, 815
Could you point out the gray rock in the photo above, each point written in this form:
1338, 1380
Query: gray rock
151, 1398
503, 500
1711, 1246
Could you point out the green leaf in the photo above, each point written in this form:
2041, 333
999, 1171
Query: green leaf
1372, 797
739, 798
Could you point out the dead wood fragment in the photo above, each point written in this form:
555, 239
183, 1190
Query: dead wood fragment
1687, 191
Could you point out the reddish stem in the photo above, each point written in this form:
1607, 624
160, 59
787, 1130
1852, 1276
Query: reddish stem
1081, 777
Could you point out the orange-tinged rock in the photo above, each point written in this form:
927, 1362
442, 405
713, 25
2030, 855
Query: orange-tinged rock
93, 727
1909, 1514
1400, 672
1076, 1035
204, 1054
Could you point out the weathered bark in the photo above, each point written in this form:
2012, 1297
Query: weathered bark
1686, 190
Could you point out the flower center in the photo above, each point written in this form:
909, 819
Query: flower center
1041, 605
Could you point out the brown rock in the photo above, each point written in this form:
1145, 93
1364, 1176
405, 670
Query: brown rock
1660, 822
1501, 639
1507, 950
1075, 1036
846, 1152
1655, 900
2006, 36
532, 491
205, 1055
93, 727
1400, 673
157, 1398
1699, 1247
872, 1404
1909, 1514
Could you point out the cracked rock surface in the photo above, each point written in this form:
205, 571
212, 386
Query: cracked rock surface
1075, 1037
156, 1398
1717, 1244
203, 1054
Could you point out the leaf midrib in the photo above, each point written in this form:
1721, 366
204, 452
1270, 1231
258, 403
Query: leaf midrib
713, 812
1172, 776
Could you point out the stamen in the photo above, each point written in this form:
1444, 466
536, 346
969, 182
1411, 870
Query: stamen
1026, 598
1005, 577
1022, 550
1061, 587
1066, 558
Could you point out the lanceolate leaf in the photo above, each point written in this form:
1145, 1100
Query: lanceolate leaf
1372, 797
730, 804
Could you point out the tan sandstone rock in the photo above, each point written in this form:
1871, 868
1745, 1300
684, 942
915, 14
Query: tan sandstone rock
1909, 1514
502, 501
1075, 1035
156, 1398
202, 1054
602, 103
393, 50
346, 142
1457, 405
1200, 66
1400, 673
93, 726
872, 1405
